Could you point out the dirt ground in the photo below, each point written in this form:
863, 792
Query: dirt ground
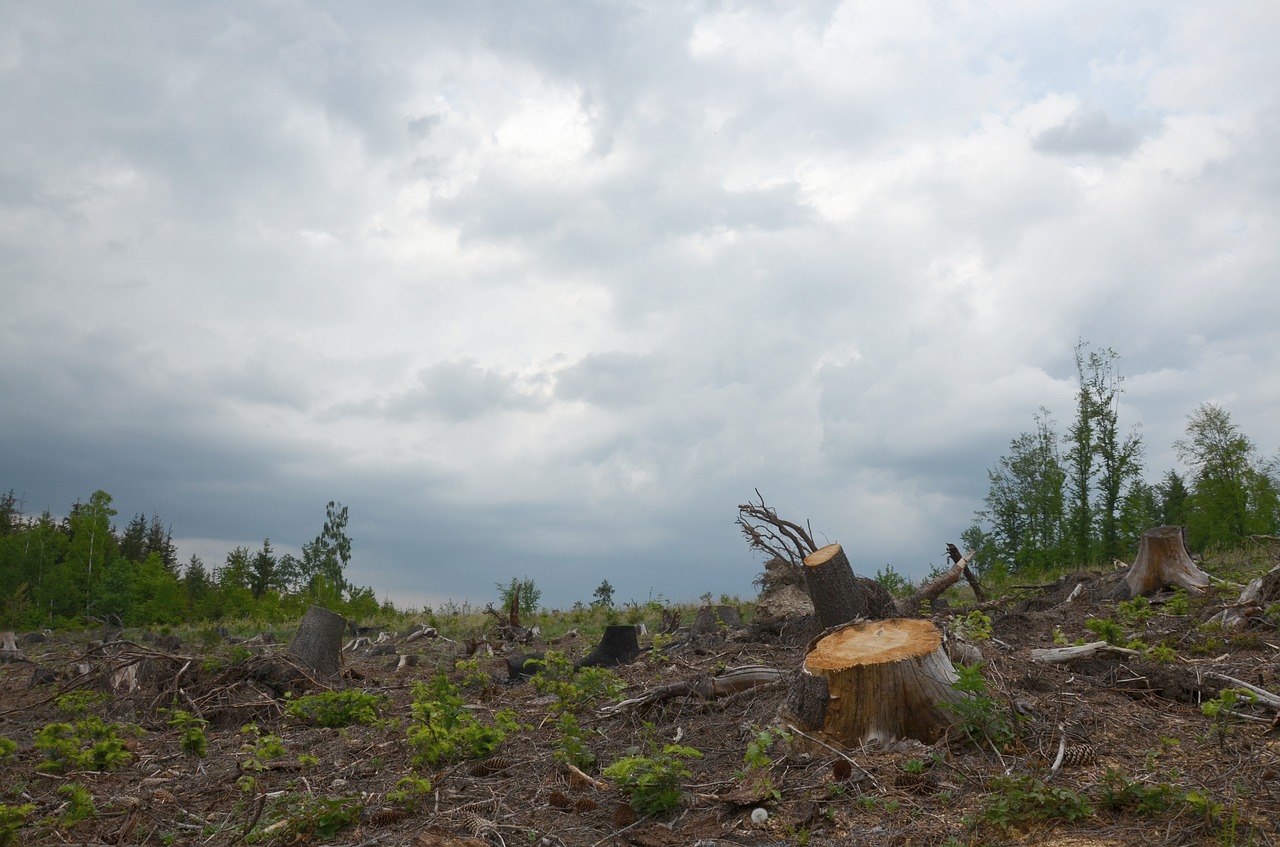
1150, 765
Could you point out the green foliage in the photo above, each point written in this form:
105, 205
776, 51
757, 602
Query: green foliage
575, 688
191, 728
79, 805
603, 595
1017, 801
77, 703
975, 626
262, 749
305, 817
572, 749
1135, 612
409, 791
653, 781
525, 591
87, 745
442, 730
11, 822
473, 676
8, 749
981, 718
1107, 630
337, 708
762, 741
1121, 794
894, 582
1178, 604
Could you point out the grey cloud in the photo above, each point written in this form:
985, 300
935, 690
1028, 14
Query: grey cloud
613, 380
1088, 132
459, 391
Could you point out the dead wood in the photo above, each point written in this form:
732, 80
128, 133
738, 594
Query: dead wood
727, 682
940, 583
770, 534
1062, 655
1162, 560
1253, 600
883, 680
318, 642
838, 596
9, 651
619, 645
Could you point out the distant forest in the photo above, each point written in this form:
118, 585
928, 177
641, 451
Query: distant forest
82, 570
1082, 498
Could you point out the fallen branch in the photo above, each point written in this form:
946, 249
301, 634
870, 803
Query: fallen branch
940, 583
1261, 695
1061, 655
729, 681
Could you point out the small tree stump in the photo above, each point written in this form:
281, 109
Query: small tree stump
318, 642
876, 680
838, 596
9, 651
620, 645
1162, 560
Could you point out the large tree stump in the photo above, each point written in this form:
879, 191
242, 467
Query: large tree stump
838, 596
876, 681
1162, 560
9, 651
620, 645
318, 642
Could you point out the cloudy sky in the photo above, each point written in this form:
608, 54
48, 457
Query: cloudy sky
547, 289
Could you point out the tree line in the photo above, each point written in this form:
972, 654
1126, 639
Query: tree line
82, 569
1082, 497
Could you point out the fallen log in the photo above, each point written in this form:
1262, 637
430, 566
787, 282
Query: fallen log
1062, 655
729, 681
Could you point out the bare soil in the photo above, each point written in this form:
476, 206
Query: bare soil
1124, 722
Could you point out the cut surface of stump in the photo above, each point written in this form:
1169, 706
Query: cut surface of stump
876, 680
1162, 560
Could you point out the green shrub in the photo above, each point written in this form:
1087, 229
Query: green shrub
572, 749
1022, 800
79, 805
980, 716
1107, 630
653, 781
194, 742
8, 749
337, 708
575, 688
1119, 793
11, 821
442, 730
87, 745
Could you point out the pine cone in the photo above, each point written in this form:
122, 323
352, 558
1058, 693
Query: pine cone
1079, 754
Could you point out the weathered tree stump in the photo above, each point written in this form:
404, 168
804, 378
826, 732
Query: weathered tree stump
1162, 560
620, 645
9, 651
876, 680
318, 642
838, 596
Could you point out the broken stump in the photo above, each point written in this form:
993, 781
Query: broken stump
620, 645
838, 596
876, 680
1162, 560
318, 642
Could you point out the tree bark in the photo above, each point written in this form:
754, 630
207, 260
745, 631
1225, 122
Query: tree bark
318, 642
838, 596
940, 583
9, 651
876, 680
620, 645
1162, 560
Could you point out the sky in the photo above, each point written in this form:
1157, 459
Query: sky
546, 290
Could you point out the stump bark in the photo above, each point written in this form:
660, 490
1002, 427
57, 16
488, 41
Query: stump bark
620, 645
318, 642
1162, 560
838, 596
876, 680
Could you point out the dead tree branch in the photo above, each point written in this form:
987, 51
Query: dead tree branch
770, 534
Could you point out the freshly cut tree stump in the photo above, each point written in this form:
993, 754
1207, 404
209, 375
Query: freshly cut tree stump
838, 596
9, 651
1162, 560
318, 642
620, 645
876, 681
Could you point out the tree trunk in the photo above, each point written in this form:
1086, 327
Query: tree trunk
318, 642
940, 583
876, 681
1162, 560
838, 596
620, 645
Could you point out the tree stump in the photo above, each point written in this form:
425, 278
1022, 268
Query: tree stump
318, 642
620, 645
1162, 560
876, 680
838, 596
9, 651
